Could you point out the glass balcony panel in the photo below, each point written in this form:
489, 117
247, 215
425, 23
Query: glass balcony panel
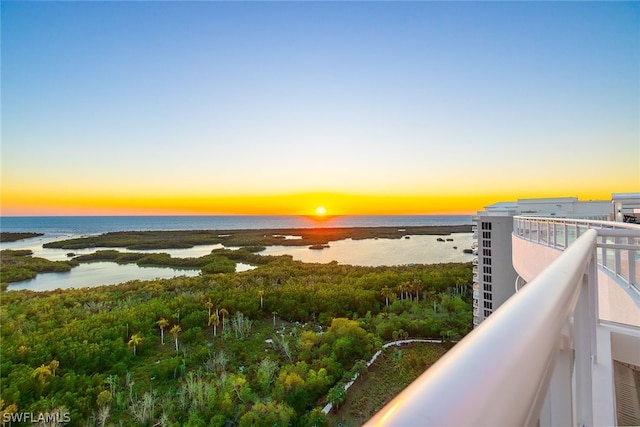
544, 234
600, 254
559, 235
609, 256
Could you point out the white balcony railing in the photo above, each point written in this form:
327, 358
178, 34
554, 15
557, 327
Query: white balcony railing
539, 346
618, 243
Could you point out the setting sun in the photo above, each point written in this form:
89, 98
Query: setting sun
320, 211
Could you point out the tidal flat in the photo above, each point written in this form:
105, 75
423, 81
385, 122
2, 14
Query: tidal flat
116, 257
243, 238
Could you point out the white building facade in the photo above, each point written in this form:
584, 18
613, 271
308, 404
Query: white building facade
563, 349
494, 275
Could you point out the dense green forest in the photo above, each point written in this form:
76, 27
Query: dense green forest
267, 347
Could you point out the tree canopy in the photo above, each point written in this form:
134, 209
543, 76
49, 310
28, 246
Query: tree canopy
286, 333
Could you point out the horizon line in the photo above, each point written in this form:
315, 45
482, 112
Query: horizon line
312, 216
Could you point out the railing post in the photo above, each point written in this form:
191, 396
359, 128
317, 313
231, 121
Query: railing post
594, 309
538, 232
617, 264
603, 252
604, 412
631, 257
584, 338
557, 408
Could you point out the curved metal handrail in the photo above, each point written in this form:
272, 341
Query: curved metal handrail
586, 222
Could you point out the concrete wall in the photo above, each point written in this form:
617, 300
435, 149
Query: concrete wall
529, 258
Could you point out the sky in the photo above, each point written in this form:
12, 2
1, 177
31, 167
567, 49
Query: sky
120, 108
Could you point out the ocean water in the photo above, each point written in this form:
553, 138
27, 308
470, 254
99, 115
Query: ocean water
367, 252
86, 225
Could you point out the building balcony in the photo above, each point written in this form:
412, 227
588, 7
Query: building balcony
558, 352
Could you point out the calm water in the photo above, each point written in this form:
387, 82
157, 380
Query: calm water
84, 225
375, 252
96, 274
368, 252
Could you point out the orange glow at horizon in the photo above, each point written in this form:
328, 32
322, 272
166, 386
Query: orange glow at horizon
316, 204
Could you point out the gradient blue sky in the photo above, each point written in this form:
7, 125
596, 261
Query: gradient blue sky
276, 107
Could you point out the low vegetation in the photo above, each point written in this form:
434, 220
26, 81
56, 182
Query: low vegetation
267, 347
393, 371
136, 240
219, 261
14, 237
17, 265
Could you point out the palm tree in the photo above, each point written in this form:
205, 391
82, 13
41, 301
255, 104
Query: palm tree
223, 313
175, 331
386, 293
209, 306
135, 341
403, 288
418, 287
41, 373
162, 323
53, 366
6, 411
410, 288
261, 293
214, 321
